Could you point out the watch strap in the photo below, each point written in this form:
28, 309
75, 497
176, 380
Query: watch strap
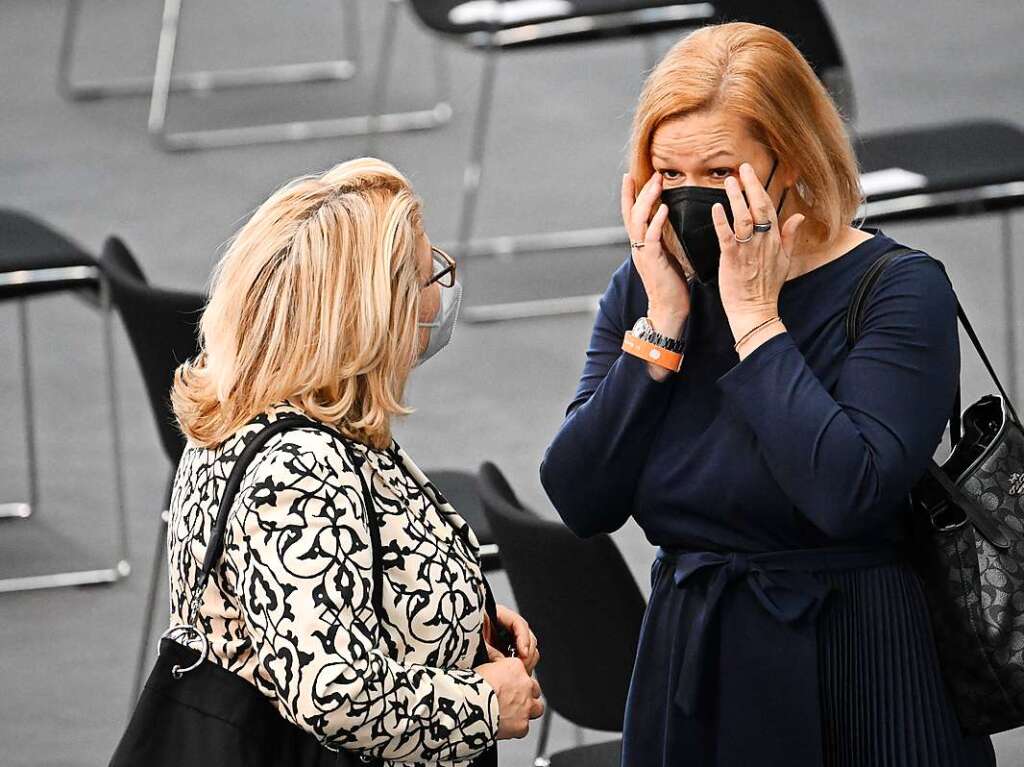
650, 334
656, 355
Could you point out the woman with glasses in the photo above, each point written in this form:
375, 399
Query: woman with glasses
322, 305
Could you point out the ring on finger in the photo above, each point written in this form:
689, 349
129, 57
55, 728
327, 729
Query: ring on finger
638, 244
748, 238
763, 227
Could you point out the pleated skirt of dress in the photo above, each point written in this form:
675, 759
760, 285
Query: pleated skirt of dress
883, 699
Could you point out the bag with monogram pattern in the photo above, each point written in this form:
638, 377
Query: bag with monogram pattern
968, 546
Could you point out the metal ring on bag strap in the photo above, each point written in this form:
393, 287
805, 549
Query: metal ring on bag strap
216, 545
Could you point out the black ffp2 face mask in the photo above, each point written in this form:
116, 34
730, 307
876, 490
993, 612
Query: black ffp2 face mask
689, 213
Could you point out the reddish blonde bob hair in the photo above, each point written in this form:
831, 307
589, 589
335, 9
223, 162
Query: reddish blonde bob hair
754, 72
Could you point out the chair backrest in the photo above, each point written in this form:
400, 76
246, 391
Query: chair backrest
805, 22
581, 601
807, 25
162, 326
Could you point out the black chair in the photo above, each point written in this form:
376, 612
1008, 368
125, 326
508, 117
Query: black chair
460, 488
162, 329
35, 260
584, 606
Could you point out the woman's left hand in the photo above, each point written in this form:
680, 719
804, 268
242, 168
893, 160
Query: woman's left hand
525, 640
751, 274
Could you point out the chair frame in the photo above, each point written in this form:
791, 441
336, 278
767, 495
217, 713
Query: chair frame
165, 81
89, 276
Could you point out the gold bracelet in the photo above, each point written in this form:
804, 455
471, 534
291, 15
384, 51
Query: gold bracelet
736, 346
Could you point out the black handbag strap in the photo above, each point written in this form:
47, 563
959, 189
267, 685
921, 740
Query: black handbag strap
249, 452
855, 312
950, 491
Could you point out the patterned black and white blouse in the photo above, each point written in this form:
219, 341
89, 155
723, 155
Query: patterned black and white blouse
289, 606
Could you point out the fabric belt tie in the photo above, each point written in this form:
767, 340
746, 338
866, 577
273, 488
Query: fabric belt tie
780, 580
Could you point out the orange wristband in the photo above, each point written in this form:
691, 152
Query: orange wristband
648, 352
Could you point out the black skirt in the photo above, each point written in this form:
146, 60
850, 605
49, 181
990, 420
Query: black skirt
856, 685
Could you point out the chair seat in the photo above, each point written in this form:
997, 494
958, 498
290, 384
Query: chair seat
459, 488
607, 754
944, 160
34, 258
527, 23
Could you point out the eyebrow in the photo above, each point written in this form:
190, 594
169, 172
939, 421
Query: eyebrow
705, 159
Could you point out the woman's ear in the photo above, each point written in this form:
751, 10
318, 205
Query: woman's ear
788, 175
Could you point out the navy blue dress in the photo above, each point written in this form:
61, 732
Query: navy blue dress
785, 627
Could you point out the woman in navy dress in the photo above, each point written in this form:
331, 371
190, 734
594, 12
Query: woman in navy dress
772, 468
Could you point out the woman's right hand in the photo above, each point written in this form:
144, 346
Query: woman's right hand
668, 294
518, 695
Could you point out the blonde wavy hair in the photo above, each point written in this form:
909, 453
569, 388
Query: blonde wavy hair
315, 302
754, 72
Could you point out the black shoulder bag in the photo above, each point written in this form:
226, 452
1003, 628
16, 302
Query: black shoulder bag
192, 711
967, 545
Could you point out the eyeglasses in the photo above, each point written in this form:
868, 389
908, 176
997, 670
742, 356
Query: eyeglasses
444, 268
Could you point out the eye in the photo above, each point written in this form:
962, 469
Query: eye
720, 173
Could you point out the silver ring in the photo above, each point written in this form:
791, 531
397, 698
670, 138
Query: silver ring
636, 244
748, 239
765, 227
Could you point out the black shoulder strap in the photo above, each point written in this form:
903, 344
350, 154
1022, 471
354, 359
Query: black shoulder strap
249, 452
854, 318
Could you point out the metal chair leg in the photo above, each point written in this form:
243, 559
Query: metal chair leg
201, 81
541, 759
356, 125
466, 247
156, 572
382, 75
1010, 298
474, 166
24, 509
121, 568
117, 453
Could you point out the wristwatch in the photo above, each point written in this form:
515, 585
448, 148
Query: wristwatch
646, 332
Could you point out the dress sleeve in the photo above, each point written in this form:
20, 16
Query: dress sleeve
844, 457
591, 468
305, 587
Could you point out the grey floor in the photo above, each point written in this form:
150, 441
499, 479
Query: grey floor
555, 155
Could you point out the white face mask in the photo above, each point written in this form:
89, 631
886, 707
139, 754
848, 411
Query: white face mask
443, 326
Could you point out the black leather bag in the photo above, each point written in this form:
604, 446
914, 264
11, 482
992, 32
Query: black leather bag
194, 712
967, 545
